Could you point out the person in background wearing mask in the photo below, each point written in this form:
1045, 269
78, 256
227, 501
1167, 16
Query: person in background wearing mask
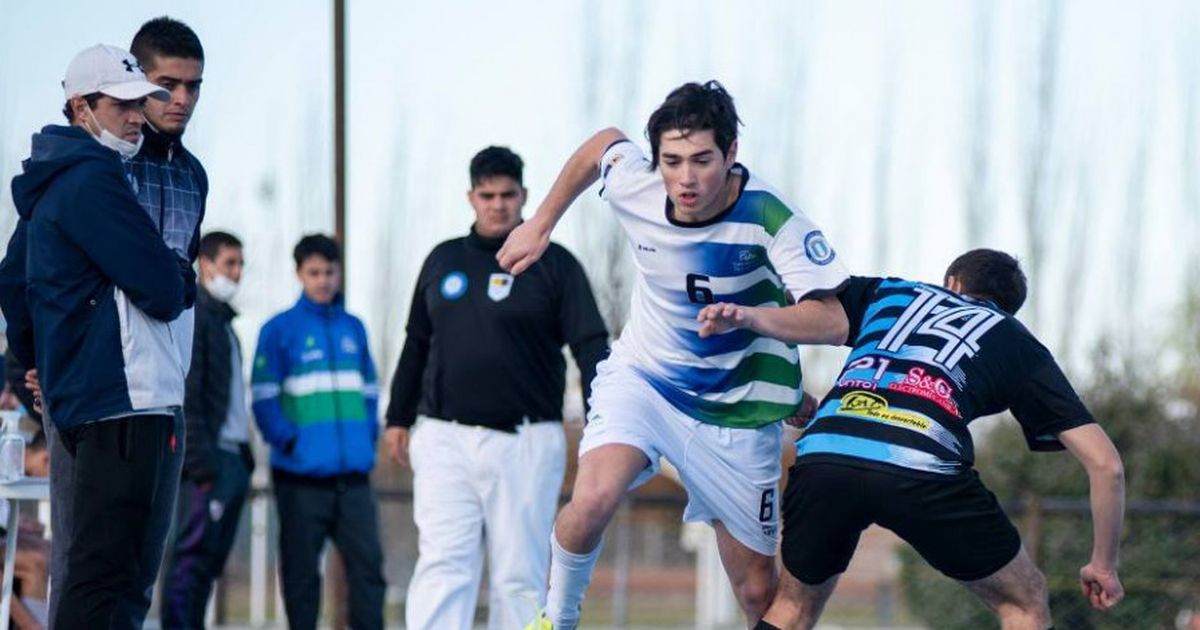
217, 459
89, 288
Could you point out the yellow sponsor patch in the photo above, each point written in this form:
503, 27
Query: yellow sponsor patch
860, 404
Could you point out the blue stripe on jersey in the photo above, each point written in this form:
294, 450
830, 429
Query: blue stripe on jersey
893, 283
935, 432
710, 379
861, 448
877, 325
887, 302
725, 260
864, 350
731, 341
911, 353
761, 208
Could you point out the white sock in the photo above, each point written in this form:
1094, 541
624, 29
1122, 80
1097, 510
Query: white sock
570, 574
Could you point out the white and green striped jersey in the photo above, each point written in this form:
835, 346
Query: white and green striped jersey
759, 252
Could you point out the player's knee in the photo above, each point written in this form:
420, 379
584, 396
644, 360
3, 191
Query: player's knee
594, 506
1038, 604
754, 594
1029, 606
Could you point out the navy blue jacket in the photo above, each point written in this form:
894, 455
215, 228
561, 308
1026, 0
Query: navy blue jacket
88, 285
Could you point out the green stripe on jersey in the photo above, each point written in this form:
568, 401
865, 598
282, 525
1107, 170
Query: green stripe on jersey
763, 208
747, 414
764, 368
323, 407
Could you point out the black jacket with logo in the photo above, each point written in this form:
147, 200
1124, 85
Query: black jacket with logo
206, 401
485, 348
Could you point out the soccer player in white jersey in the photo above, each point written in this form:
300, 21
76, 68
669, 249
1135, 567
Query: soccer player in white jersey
702, 230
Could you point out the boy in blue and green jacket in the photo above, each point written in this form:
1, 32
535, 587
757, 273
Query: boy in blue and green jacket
316, 402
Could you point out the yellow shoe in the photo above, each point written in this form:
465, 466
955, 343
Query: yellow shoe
541, 623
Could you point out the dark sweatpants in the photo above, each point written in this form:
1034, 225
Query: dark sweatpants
205, 529
132, 608
312, 510
121, 483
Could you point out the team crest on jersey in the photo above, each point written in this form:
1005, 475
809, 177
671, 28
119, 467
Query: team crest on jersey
817, 248
454, 285
499, 286
348, 346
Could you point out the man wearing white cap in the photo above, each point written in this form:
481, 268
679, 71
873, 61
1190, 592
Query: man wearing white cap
90, 289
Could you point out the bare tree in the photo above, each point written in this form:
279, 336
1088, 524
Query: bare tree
1038, 144
885, 138
1189, 54
1130, 245
603, 246
976, 191
393, 289
793, 33
1076, 264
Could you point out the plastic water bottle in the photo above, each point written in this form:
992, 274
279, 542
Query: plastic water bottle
12, 448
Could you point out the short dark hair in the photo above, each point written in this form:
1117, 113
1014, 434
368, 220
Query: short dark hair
91, 99
166, 37
496, 162
695, 107
991, 275
211, 243
316, 245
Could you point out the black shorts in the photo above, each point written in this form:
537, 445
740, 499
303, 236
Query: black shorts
956, 524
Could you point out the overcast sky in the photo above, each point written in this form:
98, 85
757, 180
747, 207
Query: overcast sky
871, 116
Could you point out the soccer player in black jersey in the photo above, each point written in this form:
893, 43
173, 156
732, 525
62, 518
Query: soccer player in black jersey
889, 443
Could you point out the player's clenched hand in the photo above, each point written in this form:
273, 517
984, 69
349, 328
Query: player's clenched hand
804, 415
1102, 587
523, 247
396, 441
722, 317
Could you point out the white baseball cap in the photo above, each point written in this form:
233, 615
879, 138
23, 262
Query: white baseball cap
110, 71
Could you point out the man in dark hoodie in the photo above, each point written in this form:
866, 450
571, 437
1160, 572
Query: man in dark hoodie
171, 185
90, 291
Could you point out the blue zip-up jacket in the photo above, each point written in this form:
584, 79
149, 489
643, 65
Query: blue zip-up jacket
88, 286
316, 399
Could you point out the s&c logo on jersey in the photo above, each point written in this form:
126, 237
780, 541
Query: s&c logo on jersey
454, 285
817, 248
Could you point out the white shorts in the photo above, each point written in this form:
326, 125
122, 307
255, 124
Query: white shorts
731, 475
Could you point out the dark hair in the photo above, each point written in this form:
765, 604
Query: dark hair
91, 99
166, 37
211, 243
695, 107
316, 245
496, 162
991, 275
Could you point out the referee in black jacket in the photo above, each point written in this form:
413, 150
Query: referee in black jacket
482, 377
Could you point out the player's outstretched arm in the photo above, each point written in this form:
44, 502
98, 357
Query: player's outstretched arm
1106, 478
817, 321
526, 244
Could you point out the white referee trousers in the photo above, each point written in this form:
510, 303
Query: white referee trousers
476, 488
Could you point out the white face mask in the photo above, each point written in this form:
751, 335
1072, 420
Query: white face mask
123, 147
221, 288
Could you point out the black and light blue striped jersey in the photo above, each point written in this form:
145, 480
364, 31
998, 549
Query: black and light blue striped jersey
925, 363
